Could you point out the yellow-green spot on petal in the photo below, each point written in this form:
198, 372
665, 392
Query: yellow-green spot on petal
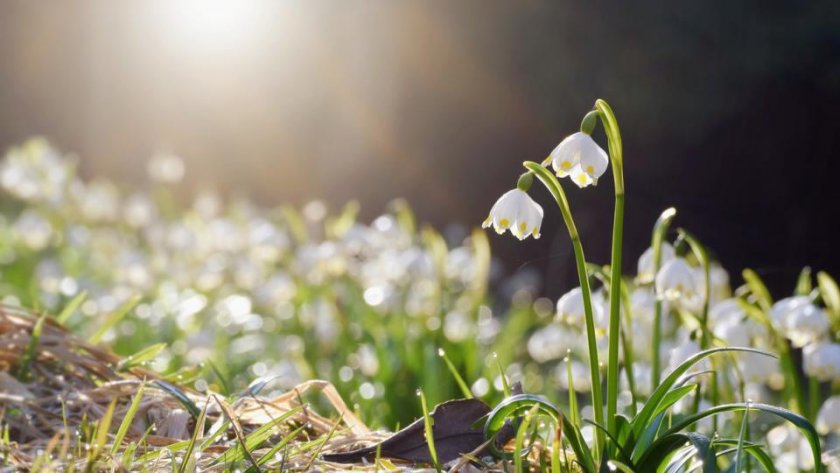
565, 165
523, 226
590, 169
504, 223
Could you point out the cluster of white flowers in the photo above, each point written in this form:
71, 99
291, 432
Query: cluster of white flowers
578, 157
679, 287
266, 292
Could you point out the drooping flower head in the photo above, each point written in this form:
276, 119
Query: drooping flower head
822, 361
571, 309
676, 280
581, 158
517, 211
828, 419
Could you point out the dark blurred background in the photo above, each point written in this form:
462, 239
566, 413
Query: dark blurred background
728, 110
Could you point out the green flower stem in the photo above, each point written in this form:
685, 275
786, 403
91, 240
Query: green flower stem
702, 256
553, 186
617, 161
813, 398
659, 231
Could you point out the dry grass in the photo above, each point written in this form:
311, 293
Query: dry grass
56, 414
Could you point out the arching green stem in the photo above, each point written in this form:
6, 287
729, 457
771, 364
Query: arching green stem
610, 123
659, 231
553, 186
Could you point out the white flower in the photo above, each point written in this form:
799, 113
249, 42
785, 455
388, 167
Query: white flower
517, 211
677, 281
645, 271
570, 309
790, 450
734, 333
822, 360
682, 352
726, 311
581, 158
757, 368
551, 342
806, 324
828, 419
783, 308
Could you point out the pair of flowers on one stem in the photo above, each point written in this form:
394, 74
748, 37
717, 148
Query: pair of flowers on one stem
577, 157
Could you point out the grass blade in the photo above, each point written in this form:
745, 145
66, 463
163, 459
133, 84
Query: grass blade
465, 390
241, 450
187, 459
71, 307
429, 428
797, 420
129, 417
31, 352
641, 421
142, 356
113, 319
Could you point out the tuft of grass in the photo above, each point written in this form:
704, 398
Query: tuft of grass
31, 352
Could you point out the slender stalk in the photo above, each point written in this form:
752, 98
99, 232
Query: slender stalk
553, 186
813, 398
702, 256
659, 231
617, 161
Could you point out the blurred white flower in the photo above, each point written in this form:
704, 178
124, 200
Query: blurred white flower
758, 368
782, 309
457, 326
166, 168
719, 283
806, 324
515, 210
35, 172
33, 230
734, 333
726, 311
684, 351
571, 309
580, 375
790, 450
139, 210
551, 342
828, 419
642, 304
645, 272
676, 281
581, 158
822, 360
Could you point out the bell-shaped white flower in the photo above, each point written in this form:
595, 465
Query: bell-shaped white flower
822, 360
645, 271
806, 324
517, 211
725, 312
733, 333
782, 309
828, 419
570, 309
676, 281
581, 158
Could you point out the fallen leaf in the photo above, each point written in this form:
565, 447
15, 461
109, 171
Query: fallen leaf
453, 431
